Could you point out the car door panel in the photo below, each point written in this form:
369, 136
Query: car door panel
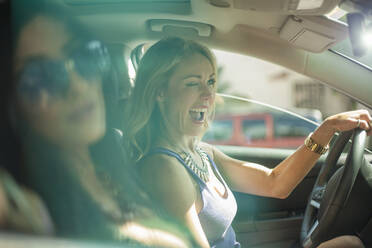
281, 232
264, 221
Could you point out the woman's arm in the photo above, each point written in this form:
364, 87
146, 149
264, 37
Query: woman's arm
169, 183
281, 180
22, 209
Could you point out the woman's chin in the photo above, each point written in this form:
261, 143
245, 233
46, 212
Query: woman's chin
93, 130
94, 134
84, 136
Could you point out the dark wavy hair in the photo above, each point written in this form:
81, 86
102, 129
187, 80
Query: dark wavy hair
43, 162
9, 146
61, 187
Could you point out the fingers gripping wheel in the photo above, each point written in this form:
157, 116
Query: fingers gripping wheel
330, 192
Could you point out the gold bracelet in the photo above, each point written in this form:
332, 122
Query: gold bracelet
315, 147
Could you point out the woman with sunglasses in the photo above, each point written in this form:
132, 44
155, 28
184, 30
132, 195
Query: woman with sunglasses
175, 90
60, 72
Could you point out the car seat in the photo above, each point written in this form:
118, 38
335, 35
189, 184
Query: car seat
119, 90
137, 54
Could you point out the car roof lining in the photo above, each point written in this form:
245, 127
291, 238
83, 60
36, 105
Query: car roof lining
246, 32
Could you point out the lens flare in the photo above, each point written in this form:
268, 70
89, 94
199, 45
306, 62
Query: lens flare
367, 38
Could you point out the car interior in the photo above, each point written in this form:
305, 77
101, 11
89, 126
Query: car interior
305, 36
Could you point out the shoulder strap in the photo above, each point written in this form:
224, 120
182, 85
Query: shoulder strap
178, 157
216, 169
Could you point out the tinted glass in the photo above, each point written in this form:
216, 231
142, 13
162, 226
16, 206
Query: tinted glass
254, 130
291, 127
220, 130
245, 122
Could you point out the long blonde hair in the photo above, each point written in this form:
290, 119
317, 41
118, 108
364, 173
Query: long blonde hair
144, 120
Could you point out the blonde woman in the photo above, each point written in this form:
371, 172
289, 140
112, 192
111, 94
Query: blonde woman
171, 107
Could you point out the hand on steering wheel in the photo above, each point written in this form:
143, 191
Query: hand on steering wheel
329, 196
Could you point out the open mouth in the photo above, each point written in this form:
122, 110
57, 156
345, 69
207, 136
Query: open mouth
197, 114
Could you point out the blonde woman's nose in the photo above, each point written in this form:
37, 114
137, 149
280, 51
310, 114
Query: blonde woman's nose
207, 93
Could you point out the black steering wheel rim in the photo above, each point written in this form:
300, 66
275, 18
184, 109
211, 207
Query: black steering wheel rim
314, 228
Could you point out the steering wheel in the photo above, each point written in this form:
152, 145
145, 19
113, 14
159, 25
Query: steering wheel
330, 192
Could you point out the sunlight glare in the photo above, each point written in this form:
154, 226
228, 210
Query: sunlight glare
367, 38
150, 236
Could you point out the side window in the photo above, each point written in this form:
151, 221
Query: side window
254, 130
293, 104
220, 130
242, 122
291, 127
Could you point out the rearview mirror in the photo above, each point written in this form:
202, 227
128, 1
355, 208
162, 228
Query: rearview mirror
360, 33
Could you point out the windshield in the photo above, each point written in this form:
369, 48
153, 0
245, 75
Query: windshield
345, 49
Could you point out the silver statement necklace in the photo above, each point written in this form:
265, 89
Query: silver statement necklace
202, 172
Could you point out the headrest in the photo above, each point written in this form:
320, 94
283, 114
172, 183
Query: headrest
121, 87
137, 54
120, 58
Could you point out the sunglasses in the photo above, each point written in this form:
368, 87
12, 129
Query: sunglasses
91, 61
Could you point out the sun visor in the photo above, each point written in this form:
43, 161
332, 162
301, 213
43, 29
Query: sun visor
89, 2
292, 7
313, 33
176, 27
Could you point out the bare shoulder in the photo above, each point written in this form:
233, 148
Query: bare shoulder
168, 181
162, 166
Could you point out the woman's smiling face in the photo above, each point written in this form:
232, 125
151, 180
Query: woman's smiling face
189, 99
